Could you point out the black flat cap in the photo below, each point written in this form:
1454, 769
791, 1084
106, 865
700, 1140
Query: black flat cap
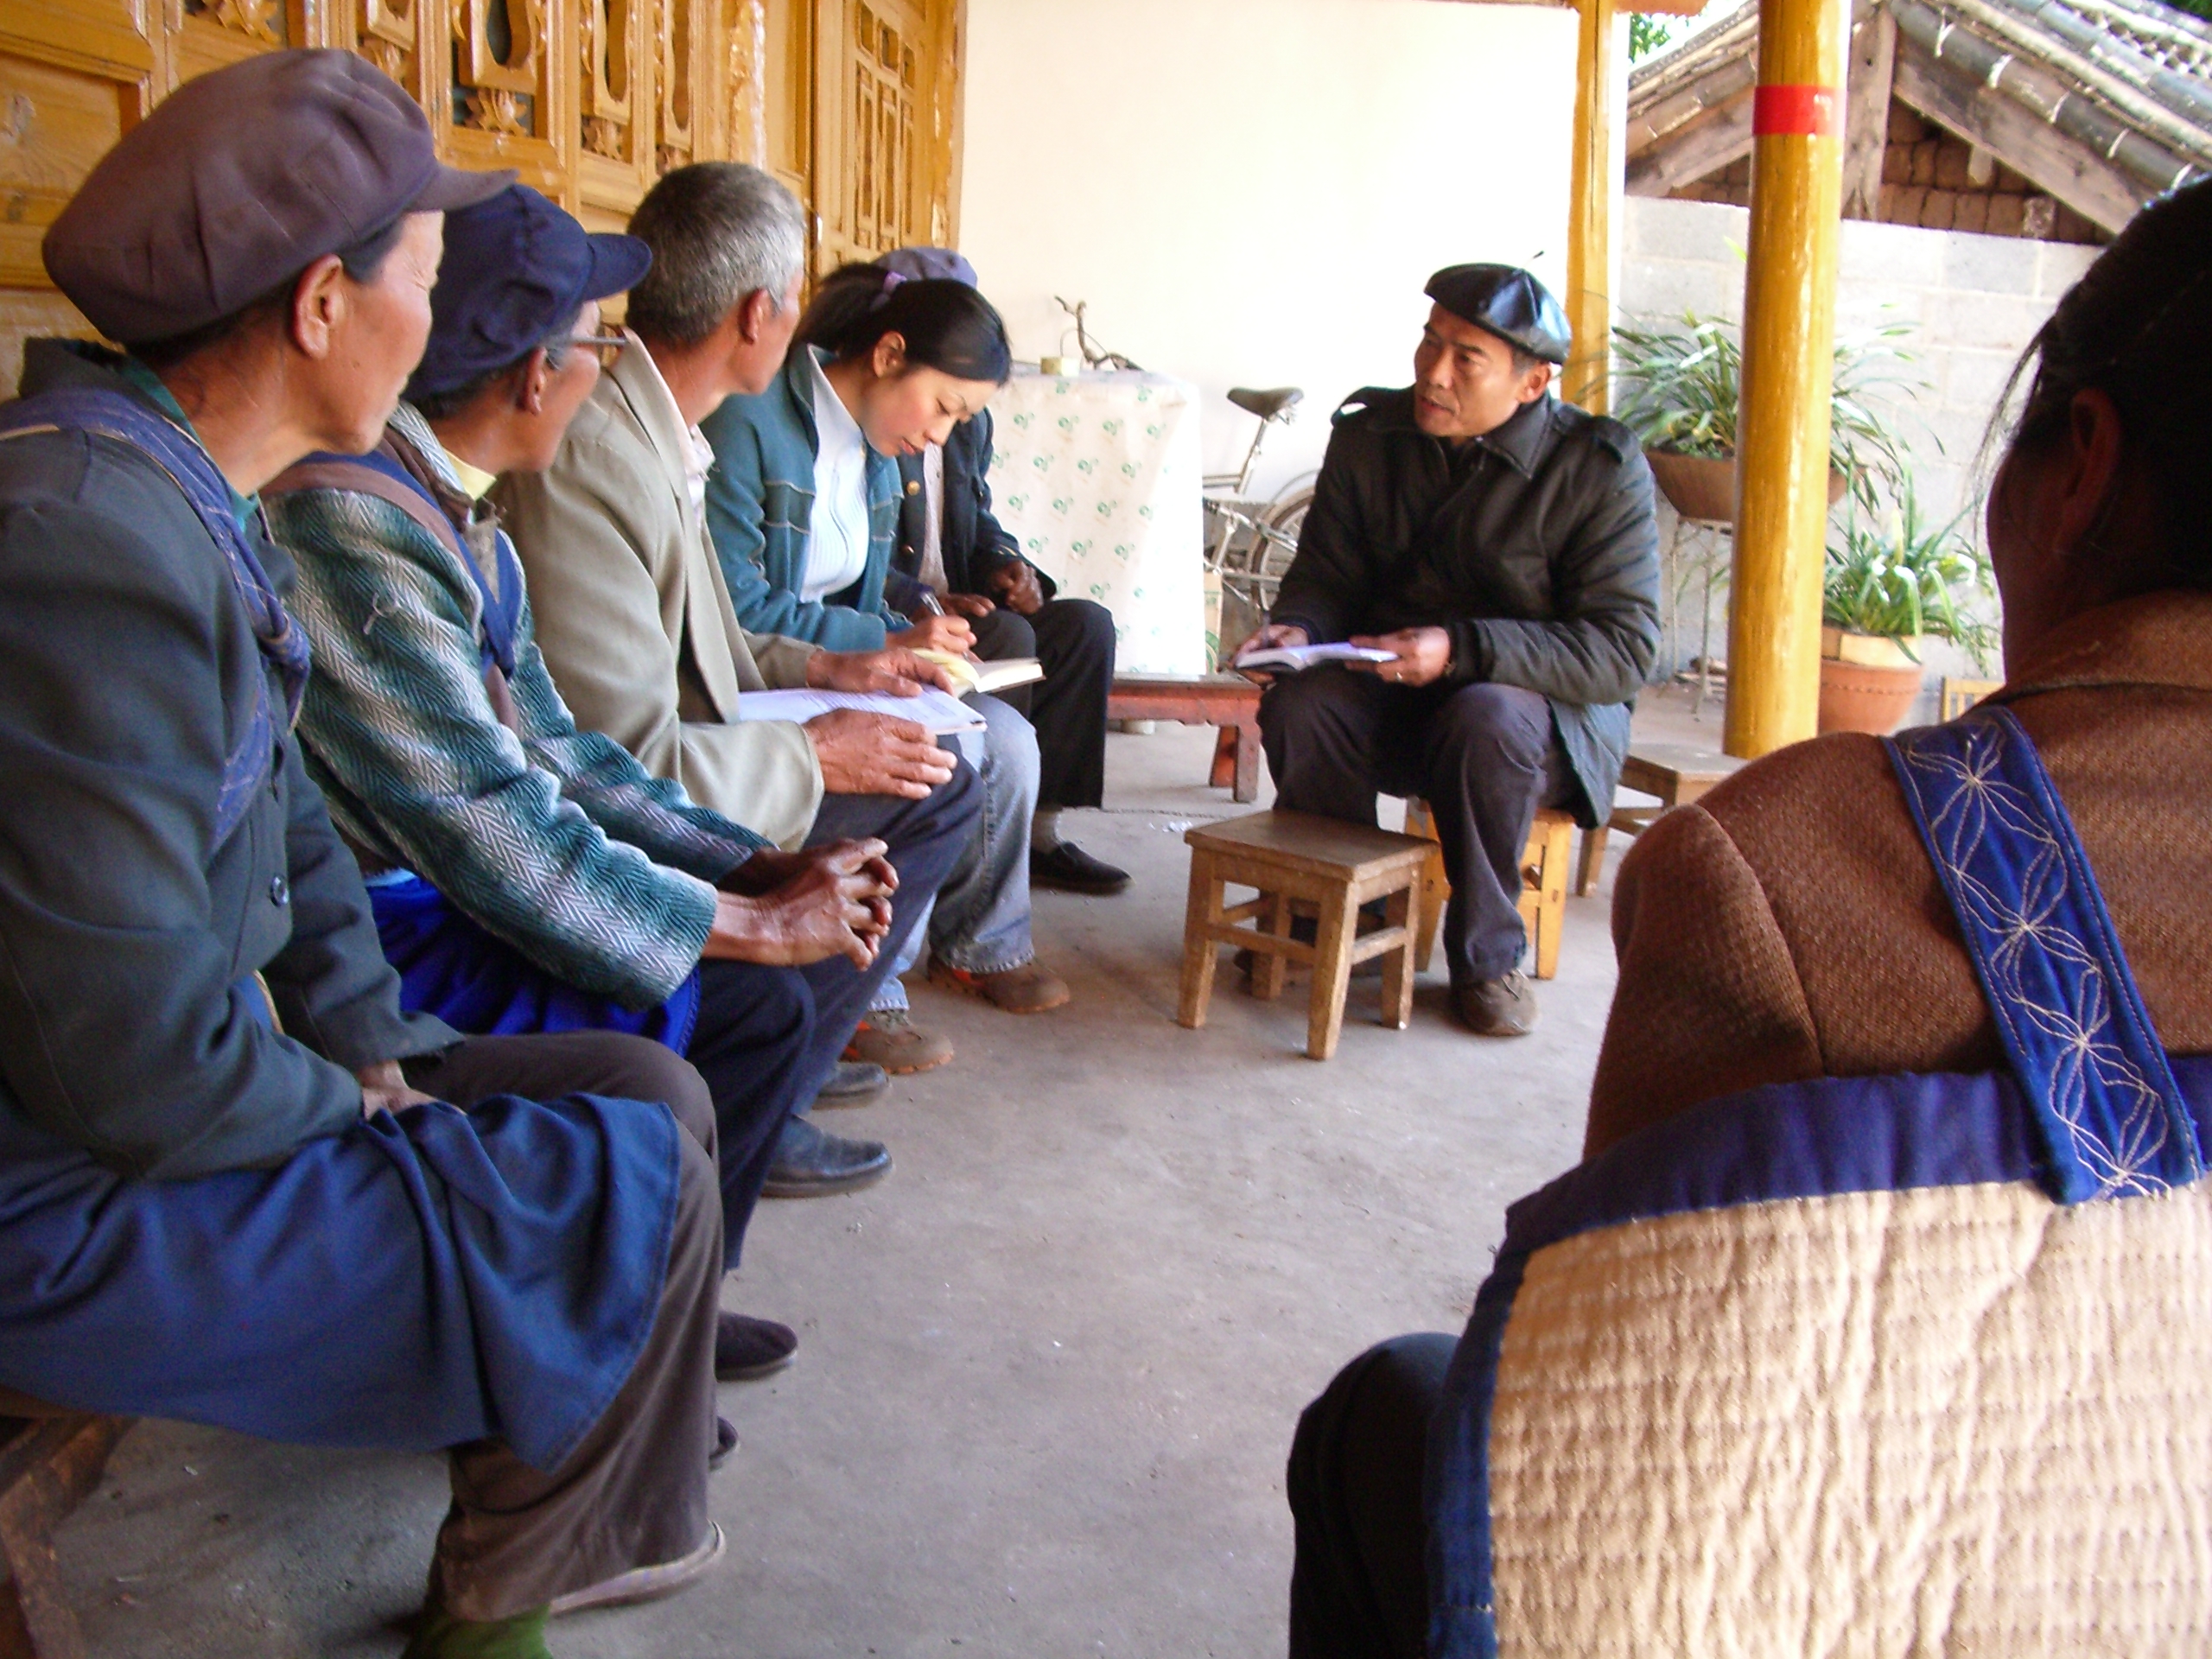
517, 269
1507, 301
240, 179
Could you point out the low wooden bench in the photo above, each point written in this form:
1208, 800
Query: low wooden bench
1333, 867
50, 1461
1227, 701
1676, 772
1543, 884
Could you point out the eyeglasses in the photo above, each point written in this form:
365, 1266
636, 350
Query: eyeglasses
605, 348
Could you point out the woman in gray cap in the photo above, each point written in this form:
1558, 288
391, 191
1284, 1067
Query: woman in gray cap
220, 1198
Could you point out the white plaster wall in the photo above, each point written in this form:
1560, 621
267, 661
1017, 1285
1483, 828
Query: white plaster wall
1252, 192
1975, 302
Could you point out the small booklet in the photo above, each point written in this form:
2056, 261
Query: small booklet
1297, 657
972, 678
934, 708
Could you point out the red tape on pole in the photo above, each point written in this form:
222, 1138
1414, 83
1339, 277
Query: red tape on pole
1807, 111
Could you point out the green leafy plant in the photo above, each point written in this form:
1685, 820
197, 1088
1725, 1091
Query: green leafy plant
1903, 578
1646, 36
1680, 389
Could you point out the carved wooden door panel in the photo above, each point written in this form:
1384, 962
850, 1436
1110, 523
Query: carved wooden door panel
590, 100
886, 92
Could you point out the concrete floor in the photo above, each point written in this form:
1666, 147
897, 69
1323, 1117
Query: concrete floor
1049, 1369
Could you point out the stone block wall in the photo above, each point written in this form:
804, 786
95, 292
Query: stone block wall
1972, 303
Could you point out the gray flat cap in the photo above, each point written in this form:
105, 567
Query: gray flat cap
240, 179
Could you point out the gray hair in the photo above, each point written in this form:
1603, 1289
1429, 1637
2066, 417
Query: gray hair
718, 230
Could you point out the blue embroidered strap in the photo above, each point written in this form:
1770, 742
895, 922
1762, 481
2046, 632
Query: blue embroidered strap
116, 415
2066, 1005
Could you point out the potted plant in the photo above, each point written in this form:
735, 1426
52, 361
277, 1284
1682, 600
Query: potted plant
1889, 588
1678, 391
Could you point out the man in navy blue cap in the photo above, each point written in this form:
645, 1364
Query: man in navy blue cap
526, 876
1500, 545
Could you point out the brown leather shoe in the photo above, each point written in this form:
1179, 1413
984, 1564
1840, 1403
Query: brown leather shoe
1031, 989
888, 1039
1497, 1007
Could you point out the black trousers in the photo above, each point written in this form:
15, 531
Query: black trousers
634, 1493
1359, 1582
1074, 640
767, 1037
1483, 757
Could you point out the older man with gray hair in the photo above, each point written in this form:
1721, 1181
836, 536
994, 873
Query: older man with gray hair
635, 621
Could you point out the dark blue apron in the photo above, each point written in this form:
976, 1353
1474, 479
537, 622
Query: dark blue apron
419, 1280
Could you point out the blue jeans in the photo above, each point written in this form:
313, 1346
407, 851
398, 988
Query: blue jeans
980, 922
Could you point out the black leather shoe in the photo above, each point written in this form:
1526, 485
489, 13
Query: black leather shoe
1070, 869
811, 1165
853, 1083
725, 1442
746, 1348
1497, 1007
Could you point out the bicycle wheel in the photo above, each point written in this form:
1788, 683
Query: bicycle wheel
1267, 555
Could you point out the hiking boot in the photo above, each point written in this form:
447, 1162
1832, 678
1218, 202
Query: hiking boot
890, 1039
1031, 989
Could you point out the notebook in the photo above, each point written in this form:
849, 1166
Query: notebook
934, 708
1298, 657
974, 676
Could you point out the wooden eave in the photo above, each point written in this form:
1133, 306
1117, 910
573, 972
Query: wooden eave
2100, 103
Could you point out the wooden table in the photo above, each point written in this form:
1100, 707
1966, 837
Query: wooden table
1227, 701
1676, 772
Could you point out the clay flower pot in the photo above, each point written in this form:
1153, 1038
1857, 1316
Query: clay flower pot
1698, 488
1868, 682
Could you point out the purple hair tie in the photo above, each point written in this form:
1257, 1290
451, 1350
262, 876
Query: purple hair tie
891, 280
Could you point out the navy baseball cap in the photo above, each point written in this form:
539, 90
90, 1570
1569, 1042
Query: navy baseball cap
1507, 301
928, 264
515, 271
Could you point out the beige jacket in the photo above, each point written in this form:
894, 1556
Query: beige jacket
1789, 924
635, 619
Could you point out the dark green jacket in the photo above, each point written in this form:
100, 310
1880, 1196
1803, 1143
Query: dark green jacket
128, 940
1534, 546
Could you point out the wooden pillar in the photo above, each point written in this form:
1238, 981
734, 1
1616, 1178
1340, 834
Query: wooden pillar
1589, 232
1774, 605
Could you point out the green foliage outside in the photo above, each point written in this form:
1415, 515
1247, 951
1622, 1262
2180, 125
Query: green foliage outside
1648, 35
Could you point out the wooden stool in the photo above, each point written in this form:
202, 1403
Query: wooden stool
1959, 696
1543, 883
1335, 866
49, 1463
1675, 772
1227, 701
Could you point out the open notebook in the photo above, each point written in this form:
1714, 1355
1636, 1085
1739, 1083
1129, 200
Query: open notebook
1298, 657
973, 677
933, 708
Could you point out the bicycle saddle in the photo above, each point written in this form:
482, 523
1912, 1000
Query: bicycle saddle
1266, 404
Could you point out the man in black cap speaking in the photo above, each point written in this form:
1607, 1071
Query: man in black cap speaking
1500, 545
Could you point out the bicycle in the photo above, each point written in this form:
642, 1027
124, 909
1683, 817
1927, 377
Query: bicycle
1251, 543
